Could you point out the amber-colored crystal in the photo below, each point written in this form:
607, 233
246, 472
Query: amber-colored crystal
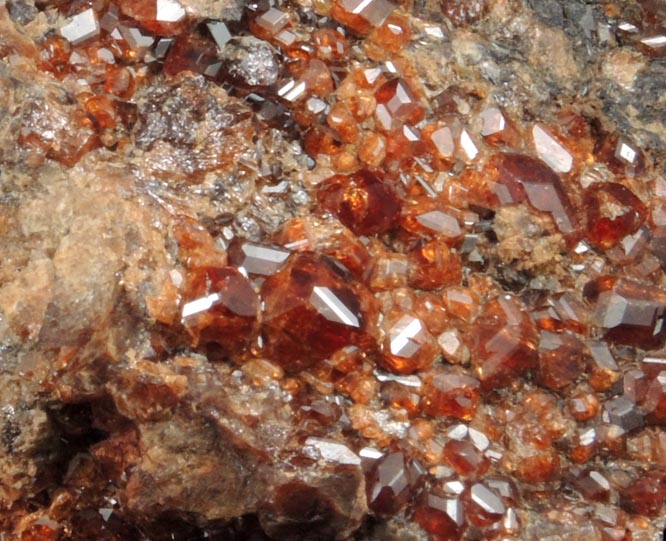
119, 81
434, 265
163, 17
449, 394
331, 45
312, 310
563, 311
197, 247
398, 395
55, 56
644, 496
408, 345
343, 123
561, 360
604, 370
372, 149
465, 458
327, 236
584, 405
613, 212
270, 23
321, 140
361, 15
220, 307
505, 342
361, 201
583, 446
397, 105
539, 468
427, 216
441, 517
430, 309
390, 37
102, 110
461, 302
389, 272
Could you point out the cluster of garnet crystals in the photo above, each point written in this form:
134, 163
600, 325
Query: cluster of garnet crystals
474, 304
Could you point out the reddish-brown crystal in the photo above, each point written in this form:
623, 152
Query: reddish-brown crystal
390, 483
361, 15
613, 212
644, 496
505, 342
397, 105
163, 17
220, 307
561, 360
312, 310
628, 312
522, 178
465, 458
434, 265
439, 516
449, 394
408, 346
360, 201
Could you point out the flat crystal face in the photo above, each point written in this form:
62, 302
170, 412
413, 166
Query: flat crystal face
551, 151
82, 26
169, 11
506, 343
629, 312
528, 179
310, 312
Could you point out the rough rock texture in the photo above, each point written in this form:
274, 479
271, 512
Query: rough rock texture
332, 270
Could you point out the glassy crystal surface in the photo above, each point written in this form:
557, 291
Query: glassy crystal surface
81, 27
630, 313
360, 201
522, 178
311, 310
362, 15
505, 342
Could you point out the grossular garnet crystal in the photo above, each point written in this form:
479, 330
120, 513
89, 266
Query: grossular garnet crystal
332, 270
312, 309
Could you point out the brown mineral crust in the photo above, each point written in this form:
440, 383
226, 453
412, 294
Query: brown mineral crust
244, 244
27, 453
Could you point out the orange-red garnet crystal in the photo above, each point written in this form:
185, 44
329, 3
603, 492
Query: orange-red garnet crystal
505, 342
220, 308
450, 394
312, 308
360, 201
